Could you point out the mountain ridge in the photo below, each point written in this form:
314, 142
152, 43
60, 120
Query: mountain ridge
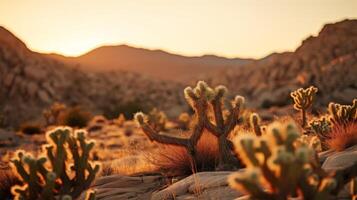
153, 62
31, 81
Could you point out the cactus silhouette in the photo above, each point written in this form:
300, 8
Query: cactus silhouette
200, 98
254, 121
343, 114
303, 99
279, 170
65, 171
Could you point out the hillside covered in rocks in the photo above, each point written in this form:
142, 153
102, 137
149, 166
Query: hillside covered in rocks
30, 81
327, 61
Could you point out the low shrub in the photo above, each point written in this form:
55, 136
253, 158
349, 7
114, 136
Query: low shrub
342, 137
74, 117
31, 128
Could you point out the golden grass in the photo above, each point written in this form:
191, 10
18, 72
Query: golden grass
7, 179
128, 165
342, 137
175, 161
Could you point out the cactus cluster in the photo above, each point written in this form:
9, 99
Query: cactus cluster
311, 141
277, 169
63, 171
343, 114
205, 101
157, 119
303, 99
320, 127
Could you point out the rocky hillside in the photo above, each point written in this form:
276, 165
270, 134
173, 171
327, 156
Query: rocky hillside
328, 61
29, 82
155, 63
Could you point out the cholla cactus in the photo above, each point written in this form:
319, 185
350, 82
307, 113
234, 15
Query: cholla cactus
303, 99
310, 141
120, 120
200, 98
343, 114
321, 128
254, 121
157, 120
65, 171
277, 169
52, 114
184, 121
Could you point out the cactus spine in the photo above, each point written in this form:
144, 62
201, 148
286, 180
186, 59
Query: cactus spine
65, 171
303, 99
200, 98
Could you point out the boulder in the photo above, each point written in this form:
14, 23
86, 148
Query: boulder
203, 185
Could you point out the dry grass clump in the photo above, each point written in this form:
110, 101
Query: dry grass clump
128, 165
7, 179
342, 136
175, 160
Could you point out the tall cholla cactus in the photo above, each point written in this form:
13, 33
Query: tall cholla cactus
278, 170
65, 171
343, 114
200, 98
303, 99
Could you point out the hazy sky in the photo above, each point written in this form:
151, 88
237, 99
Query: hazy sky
233, 28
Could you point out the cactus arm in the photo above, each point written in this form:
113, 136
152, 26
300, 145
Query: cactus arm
160, 138
212, 128
218, 113
232, 120
21, 170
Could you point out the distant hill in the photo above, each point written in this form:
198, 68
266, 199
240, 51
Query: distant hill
31, 81
155, 63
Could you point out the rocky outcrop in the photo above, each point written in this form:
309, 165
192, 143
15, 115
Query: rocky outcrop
327, 61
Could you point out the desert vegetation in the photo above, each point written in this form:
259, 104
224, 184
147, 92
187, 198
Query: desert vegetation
275, 136
274, 159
